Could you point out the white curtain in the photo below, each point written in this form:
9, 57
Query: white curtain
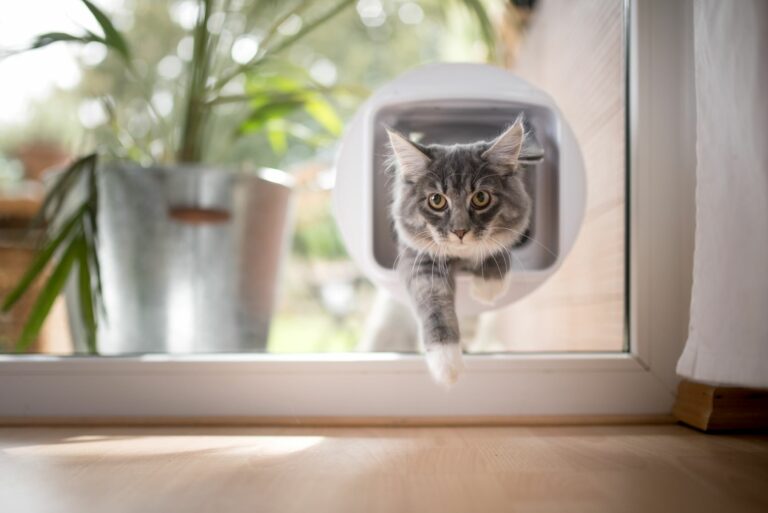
728, 338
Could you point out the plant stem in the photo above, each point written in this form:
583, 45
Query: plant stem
190, 146
272, 30
351, 90
285, 43
213, 40
340, 6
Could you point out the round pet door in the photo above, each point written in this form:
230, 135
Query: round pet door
459, 103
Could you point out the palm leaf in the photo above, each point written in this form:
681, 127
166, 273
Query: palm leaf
46, 298
42, 259
277, 137
323, 112
90, 232
260, 116
85, 293
56, 37
112, 36
54, 199
78, 234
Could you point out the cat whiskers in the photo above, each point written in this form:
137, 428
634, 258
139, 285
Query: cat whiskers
494, 250
510, 253
521, 234
400, 253
493, 255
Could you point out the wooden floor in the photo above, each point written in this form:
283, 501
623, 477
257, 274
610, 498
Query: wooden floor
496, 469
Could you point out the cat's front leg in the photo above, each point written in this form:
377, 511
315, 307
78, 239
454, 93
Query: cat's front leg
491, 279
432, 289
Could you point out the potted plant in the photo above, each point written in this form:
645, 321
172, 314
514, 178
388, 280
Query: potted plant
179, 255
158, 250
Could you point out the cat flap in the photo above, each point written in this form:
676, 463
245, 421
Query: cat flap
506, 147
440, 103
532, 151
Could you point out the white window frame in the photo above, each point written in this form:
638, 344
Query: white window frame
394, 387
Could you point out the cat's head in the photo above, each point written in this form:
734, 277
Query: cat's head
464, 200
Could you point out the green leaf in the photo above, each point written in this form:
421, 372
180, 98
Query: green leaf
42, 259
324, 113
268, 84
90, 232
112, 36
85, 293
54, 199
277, 137
259, 117
46, 298
56, 37
94, 259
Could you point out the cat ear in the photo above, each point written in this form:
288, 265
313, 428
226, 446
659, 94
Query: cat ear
409, 157
505, 149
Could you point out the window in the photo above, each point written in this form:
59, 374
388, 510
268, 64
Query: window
568, 342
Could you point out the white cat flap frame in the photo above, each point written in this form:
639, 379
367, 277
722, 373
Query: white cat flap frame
459, 103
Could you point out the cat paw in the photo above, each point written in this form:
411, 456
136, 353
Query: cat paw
445, 362
487, 291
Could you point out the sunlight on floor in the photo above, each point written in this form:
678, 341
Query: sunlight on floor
138, 446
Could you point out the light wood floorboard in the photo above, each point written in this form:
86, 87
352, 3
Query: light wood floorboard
462, 469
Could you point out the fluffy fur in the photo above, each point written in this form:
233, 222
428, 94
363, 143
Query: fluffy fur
443, 225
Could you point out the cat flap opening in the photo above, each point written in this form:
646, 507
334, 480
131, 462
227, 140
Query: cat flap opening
460, 103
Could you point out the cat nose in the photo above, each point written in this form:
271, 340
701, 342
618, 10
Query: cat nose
460, 233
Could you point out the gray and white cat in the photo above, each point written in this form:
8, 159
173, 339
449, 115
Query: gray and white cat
456, 208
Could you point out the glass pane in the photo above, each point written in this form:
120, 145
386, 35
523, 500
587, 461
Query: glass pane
235, 256
576, 52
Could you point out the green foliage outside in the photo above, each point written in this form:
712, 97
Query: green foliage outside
174, 94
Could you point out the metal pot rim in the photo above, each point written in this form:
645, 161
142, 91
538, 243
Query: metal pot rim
267, 174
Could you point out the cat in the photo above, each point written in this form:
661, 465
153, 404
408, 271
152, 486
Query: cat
456, 208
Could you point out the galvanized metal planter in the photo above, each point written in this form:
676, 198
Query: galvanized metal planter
190, 258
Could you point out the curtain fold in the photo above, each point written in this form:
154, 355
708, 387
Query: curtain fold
728, 337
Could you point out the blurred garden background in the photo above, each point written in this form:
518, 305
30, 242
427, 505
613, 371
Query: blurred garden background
63, 100
324, 58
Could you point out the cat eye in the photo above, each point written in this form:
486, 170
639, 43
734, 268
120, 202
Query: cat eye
481, 199
437, 201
